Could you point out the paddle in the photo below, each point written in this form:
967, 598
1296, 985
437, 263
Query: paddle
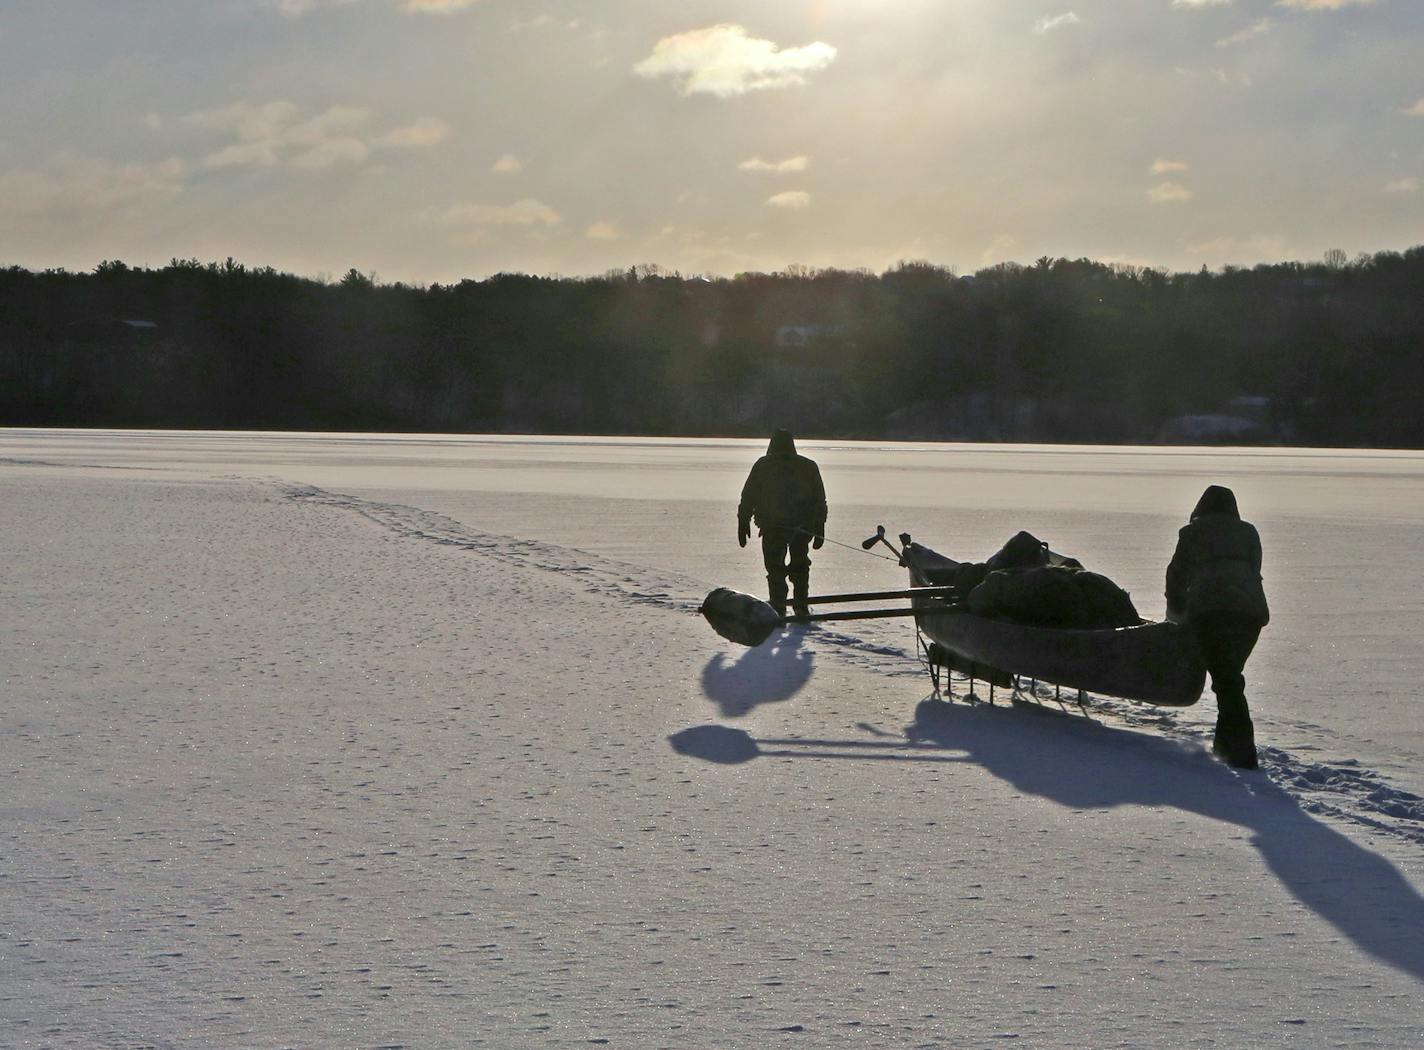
879, 537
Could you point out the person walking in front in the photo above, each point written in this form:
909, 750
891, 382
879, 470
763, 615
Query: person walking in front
1214, 590
784, 495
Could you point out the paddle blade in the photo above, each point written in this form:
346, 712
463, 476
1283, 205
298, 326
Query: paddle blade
879, 535
739, 617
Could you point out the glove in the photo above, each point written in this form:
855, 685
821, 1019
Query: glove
744, 529
818, 539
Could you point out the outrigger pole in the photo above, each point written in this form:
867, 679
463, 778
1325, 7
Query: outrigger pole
849, 614
875, 596
747, 620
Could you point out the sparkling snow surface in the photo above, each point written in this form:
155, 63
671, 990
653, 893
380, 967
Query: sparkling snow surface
320, 740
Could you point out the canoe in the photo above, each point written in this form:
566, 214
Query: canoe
1152, 662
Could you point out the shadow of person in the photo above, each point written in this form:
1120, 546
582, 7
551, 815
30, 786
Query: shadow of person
1074, 762
773, 671
1086, 765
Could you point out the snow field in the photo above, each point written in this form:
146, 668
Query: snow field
289, 768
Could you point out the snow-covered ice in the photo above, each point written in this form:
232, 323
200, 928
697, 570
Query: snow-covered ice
315, 740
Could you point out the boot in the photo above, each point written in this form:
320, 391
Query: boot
1236, 743
776, 589
801, 582
1235, 737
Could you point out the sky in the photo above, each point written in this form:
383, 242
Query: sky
436, 140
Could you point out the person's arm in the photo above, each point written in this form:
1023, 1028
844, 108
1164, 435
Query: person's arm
819, 492
746, 507
1177, 582
1256, 561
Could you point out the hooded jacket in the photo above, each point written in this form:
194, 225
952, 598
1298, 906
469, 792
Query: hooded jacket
783, 490
1217, 564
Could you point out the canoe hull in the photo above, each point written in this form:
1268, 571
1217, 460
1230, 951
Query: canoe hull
1152, 662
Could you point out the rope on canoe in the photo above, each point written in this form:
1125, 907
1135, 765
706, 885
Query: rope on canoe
857, 547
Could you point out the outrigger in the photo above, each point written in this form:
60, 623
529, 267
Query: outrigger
1152, 662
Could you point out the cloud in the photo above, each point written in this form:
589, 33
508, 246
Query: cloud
1199, 3
776, 167
525, 212
273, 133
1226, 249
1163, 167
330, 152
792, 199
1048, 23
1416, 110
425, 132
602, 231
998, 249
545, 22
1321, 5
722, 60
152, 121
508, 164
1260, 27
1225, 77
243, 155
249, 122
297, 8
1168, 192
435, 7
70, 185
1405, 185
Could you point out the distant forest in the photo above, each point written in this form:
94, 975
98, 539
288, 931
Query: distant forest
1328, 353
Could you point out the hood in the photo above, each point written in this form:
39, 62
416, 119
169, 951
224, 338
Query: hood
782, 444
1217, 499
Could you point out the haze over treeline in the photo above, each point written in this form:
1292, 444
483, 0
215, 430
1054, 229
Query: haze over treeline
1327, 353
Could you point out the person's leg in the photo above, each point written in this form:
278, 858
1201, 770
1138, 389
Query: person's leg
1226, 641
773, 555
799, 572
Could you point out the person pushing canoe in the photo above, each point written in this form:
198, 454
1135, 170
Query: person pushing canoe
784, 495
1214, 590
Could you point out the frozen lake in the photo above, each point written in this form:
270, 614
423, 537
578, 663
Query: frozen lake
364, 740
1336, 674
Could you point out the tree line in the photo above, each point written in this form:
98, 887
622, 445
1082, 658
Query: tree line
1327, 353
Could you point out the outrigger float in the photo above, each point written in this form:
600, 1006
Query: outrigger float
1152, 662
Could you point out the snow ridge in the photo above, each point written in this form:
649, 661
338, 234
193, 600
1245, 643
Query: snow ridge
1342, 790
1347, 791
601, 575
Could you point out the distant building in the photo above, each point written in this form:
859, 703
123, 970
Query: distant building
966, 417
796, 335
109, 329
1246, 419
1211, 428
1250, 407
